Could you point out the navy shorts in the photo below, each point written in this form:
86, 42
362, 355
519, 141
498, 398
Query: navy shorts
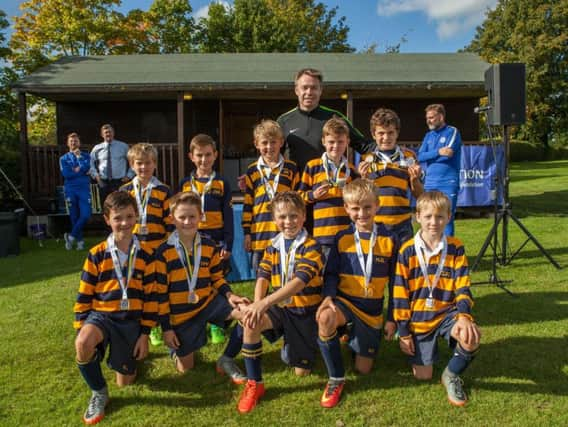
402, 231
121, 336
364, 340
192, 334
426, 345
300, 333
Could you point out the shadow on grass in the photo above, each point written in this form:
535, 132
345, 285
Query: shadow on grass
558, 164
546, 203
530, 307
533, 257
533, 365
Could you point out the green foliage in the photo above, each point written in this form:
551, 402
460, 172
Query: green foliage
273, 26
523, 151
518, 378
534, 32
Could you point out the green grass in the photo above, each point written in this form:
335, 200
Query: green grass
520, 376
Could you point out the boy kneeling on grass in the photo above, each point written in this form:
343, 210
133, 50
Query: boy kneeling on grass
116, 304
432, 297
361, 265
292, 265
190, 283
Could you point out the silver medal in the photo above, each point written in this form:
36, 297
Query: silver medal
143, 230
124, 304
192, 297
429, 302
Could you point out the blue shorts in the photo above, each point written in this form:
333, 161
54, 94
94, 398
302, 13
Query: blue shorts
121, 336
426, 345
402, 231
300, 335
364, 340
192, 334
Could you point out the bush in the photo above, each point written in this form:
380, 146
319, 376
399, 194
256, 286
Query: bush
522, 151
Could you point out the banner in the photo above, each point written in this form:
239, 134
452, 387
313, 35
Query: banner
477, 175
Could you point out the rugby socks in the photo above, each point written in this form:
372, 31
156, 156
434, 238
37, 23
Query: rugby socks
331, 353
235, 342
252, 355
92, 373
460, 360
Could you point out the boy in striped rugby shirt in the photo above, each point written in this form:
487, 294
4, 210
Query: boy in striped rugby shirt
190, 283
152, 198
432, 297
291, 266
116, 304
323, 181
269, 175
361, 266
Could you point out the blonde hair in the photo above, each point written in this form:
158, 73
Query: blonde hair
268, 129
435, 199
185, 198
335, 126
359, 189
142, 150
288, 198
202, 140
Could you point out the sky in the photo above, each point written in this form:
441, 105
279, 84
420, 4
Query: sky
427, 25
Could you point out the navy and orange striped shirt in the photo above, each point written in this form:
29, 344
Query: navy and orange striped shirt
172, 286
345, 279
257, 218
411, 291
308, 266
218, 208
100, 291
158, 223
330, 216
393, 183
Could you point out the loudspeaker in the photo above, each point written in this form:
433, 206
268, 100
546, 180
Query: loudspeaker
505, 86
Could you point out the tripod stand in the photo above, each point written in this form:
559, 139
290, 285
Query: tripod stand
502, 215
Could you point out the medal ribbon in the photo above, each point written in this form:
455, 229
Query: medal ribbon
366, 267
288, 258
206, 189
269, 189
192, 271
142, 197
336, 170
130, 264
419, 248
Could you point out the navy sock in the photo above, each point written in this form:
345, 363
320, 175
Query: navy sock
92, 373
331, 354
460, 360
252, 354
235, 342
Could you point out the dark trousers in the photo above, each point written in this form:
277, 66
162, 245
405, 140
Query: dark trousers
107, 186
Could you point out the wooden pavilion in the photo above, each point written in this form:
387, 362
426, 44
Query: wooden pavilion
166, 99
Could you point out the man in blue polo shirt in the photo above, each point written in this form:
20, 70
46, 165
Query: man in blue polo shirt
441, 152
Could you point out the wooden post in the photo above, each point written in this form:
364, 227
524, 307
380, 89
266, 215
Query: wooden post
349, 114
22, 112
221, 136
180, 137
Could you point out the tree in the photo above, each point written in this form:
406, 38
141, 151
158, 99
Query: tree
534, 32
273, 26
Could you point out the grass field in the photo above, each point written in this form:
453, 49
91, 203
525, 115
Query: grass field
520, 376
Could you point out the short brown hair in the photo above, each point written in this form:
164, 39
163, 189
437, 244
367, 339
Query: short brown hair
384, 117
202, 140
436, 199
106, 126
335, 126
185, 198
359, 189
268, 129
119, 200
73, 135
438, 108
288, 197
312, 72
142, 150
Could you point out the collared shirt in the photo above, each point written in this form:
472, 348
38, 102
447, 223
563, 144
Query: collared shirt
99, 160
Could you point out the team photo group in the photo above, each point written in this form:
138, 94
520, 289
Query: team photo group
338, 264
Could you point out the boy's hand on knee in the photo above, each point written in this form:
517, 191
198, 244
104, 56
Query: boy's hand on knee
467, 331
407, 345
141, 347
390, 330
171, 339
247, 243
236, 301
253, 313
325, 304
